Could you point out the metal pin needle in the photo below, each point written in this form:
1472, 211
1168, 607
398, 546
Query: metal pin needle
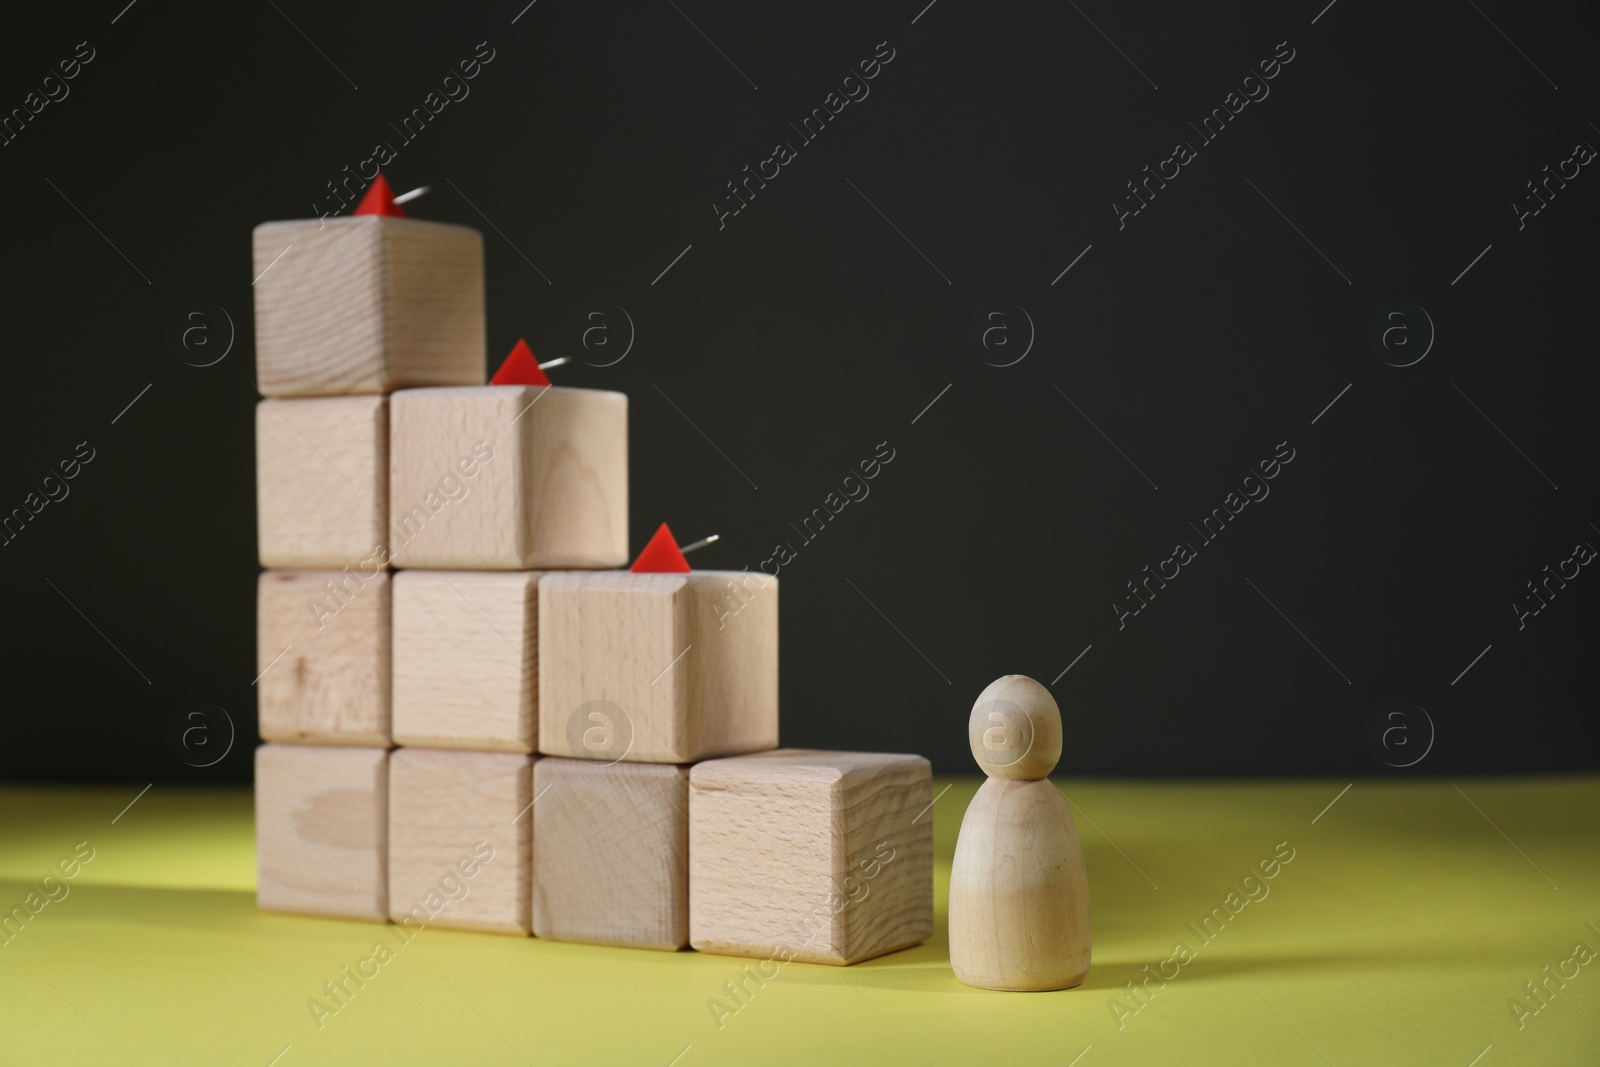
703, 542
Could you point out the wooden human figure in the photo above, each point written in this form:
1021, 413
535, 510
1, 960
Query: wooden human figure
1019, 897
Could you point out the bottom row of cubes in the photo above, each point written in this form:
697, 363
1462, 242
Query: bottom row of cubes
823, 857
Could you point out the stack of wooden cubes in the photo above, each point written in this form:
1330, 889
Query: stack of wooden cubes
584, 753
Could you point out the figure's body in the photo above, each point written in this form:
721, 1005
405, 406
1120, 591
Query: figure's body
1019, 896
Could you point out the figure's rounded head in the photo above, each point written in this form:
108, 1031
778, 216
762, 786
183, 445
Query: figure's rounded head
1015, 729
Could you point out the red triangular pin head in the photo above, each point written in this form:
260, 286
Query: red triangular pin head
661, 556
380, 200
520, 368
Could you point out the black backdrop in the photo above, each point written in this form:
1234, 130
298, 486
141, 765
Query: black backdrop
920, 238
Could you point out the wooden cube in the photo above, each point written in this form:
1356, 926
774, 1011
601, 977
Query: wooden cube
322, 647
658, 668
611, 853
367, 304
322, 831
824, 857
322, 481
460, 839
508, 477
465, 657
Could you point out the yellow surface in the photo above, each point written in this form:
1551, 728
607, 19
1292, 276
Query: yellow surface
1401, 931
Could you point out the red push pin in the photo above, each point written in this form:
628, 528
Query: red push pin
380, 199
663, 556
520, 368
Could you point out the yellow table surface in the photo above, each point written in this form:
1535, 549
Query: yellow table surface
1403, 930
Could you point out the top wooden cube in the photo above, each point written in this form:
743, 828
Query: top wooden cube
367, 304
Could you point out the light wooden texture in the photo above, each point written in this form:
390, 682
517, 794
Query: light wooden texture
611, 853
549, 487
1019, 894
465, 654
322, 830
686, 664
1015, 729
322, 480
367, 305
451, 813
823, 857
322, 645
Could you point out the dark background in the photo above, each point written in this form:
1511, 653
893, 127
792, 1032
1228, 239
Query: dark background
809, 329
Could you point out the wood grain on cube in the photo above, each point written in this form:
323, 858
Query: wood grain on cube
367, 305
465, 653
611, 853
686, 663
447, 810
322, 830
823, 857
322, 647
322, 480
508, 478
